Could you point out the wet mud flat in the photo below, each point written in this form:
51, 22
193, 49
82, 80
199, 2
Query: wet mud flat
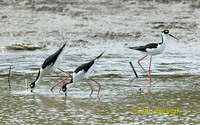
89, 27
92, 22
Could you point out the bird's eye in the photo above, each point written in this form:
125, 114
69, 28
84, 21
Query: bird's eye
64, 89
166, 31
32, 85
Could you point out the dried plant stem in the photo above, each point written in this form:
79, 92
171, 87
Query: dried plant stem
26, 84
9, 76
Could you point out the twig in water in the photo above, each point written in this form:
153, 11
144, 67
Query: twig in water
133, 69
9, 77
26, 84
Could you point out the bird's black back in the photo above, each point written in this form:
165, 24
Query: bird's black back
87, 66
51, 59
143, 48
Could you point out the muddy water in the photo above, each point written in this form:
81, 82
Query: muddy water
90, 29
175, 84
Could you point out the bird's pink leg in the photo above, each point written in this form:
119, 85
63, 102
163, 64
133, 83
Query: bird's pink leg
64, 71
90, 87
63, 80
58, 83
141, 65
98, 85
59, 76
150, 72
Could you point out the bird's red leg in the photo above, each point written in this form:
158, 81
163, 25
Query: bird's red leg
64, 71
150, 72
90, 87
141, 65
58, 83
59, 76
98, 85
63, 80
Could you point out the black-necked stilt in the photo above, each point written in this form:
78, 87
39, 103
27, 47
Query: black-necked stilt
49, 66
83, 72
153, 49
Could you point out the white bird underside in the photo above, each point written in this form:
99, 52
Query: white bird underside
156, 51
81, 75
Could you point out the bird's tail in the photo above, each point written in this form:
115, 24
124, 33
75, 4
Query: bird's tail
100, 55
63, 45
135, 48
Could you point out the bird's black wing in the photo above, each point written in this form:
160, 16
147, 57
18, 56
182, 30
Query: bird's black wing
143, 48
51, 59
85, 66
151, 45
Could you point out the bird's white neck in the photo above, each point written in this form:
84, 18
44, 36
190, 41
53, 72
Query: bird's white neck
164, 38
70, 85
39, 77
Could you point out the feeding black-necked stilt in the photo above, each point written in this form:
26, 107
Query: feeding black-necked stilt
153, 49
83, 72
49, 66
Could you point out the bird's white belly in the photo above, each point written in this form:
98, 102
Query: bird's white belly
48, 70
79, 76
84, 75
156, 51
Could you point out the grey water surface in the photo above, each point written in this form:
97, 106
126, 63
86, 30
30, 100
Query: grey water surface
175, 83
90, 27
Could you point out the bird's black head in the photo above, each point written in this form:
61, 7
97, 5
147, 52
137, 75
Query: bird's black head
32, 86
166, 31
65, 87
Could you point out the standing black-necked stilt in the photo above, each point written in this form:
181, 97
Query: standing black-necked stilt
83, 72
153, 49
49, 66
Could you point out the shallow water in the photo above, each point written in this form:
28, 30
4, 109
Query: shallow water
89, 29
175, 83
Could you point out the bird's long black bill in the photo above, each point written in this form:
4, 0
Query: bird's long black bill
173, 36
